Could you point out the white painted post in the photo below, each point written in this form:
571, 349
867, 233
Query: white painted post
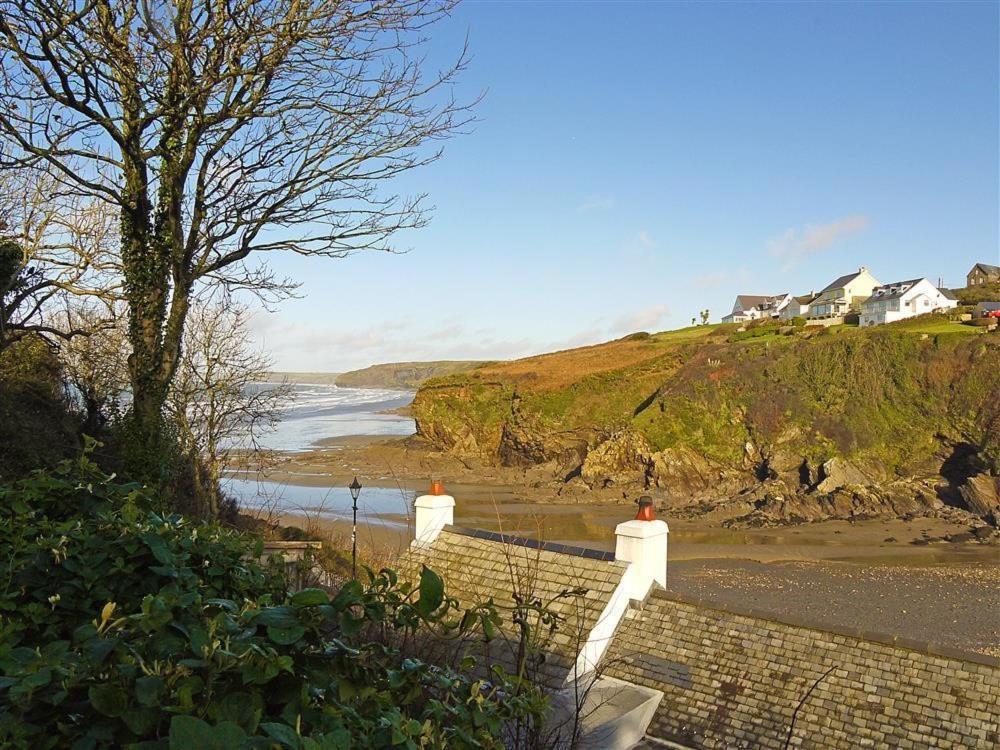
644, 545
432, 513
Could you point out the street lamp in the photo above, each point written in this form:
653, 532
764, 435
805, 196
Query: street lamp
355, 488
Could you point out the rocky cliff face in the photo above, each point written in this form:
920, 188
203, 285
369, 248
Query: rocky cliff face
864, 423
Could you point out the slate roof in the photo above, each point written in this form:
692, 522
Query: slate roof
882, 292
748, 301
841, 282
948, 293
478, 566
987, 269
805, 299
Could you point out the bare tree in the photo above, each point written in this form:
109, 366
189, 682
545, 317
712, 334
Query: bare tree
96, 364
53, 251
219, 132
218, 401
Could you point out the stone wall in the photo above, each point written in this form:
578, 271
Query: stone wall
734, 680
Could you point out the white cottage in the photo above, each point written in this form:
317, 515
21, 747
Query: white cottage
756, 306
903, 299
745, 308
843, 295
797, 307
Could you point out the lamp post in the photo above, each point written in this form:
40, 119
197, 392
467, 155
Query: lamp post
355, 488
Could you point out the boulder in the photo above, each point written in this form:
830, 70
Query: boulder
839, 472
685, 476
981, 494
622, 459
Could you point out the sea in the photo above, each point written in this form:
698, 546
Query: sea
323, 411
315, 412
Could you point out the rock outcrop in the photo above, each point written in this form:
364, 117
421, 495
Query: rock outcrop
866, 424
837, 473
982, 496
624, 458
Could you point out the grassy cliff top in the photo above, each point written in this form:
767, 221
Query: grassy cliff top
558, 370
885, 393
406, 375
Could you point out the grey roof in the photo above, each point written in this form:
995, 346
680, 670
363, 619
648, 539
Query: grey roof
842, 281
948, 293
987, 269
747, 301
880, 293
805, 299
479, 566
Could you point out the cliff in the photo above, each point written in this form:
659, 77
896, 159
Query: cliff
796, 423
402, 375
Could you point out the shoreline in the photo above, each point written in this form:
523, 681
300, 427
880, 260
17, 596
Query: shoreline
487, 498
879, 575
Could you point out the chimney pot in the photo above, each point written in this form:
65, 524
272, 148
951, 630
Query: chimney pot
432, 512
646, 510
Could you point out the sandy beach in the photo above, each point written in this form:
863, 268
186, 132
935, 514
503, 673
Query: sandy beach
896, 577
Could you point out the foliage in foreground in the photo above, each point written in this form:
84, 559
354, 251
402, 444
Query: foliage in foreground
124, 627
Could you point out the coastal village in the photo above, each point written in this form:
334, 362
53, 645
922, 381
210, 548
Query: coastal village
862, 296
283, 468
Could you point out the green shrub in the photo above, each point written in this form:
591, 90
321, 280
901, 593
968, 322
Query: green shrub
798, 321
125, 627
37, 425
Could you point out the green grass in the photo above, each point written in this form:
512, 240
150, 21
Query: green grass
934, 324
690, 333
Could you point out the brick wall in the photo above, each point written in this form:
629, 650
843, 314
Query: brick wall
733, 681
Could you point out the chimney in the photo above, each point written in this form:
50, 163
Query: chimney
643, 543
433, 512
862, 269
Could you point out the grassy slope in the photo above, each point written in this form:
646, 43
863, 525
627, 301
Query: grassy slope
309, 378
882, 394
405, 375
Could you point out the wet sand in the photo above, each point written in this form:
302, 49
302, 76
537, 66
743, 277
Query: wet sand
878, 575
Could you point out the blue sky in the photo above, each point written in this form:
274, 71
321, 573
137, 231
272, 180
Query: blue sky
635, 163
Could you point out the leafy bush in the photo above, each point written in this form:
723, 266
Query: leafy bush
798, 321
125, 627
973, 295
37, 425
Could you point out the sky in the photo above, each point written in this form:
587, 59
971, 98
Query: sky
635, 163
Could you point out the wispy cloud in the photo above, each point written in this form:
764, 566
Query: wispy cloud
597, 202
639, 320
646, 240
722, 278
797, 243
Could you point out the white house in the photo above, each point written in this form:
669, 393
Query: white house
798, 307
903, 299
843, 295
745, 308
755, 306
774, 306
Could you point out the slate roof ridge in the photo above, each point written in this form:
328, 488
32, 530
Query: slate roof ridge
842, 281
881, 292
987, 268
563, 549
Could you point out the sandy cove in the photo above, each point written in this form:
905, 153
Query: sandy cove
878, 575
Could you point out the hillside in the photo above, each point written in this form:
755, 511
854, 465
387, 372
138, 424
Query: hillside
785, 418
403, 375
310, 378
